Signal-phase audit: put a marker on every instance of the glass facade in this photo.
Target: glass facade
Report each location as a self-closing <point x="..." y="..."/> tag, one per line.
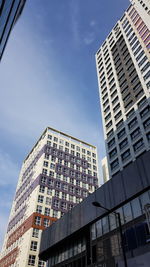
<point x="101" y="242"/>
<point x="9" y="11"/>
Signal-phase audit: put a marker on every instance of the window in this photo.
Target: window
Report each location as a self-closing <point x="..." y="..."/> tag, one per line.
<point x="71" y="181"/>
<point x="33" y="245"/>
<point x="38" y="220"/>
<point x="46" y="222"/>
<point x="66" y="144"/>
<point x="117" y="116"/>
<point x="48" y="201"/>
<point x="49" y="137"/>
<point x="46" y="156"/>
<point x="31" y="260"/>
<point x="138" y="145"/>
<point x="49" y="191"/>
<point x="135" y="133"/>
<point x="121" y="133"/>
<point x="44" y="171"/>
<point x="72" y="146"/>
<point x="71" y="198"/>
<point x="51" y="174"/>
<point x="52" y="166"/>
<point x="125" y="155"/>
<point x="123" y="143"/>
<point x="64" y="196"/>
<point x="64" y="205"/>
<point x="78" y="154"/>
<point x="71" y="189"/>
<point x="55" y="139"/>
<point x="55" y="145"/>
<point x="47" y="211"/>
<point x="136" y="208"/>
<point x="145" y="112"/>
<point x="42" y="189"/>
<point x="119" y="124"/>
<point x="78" y="191"/>
<point x="65" y="187"/>
<point x="130" y="113"/>
<point x="70" y="206"/>
<point x="41" y="263"/>
<point x="66" y="149"/>
<point x="56" y="193"/>
<point x="40" y="199"/>
<point x="127" y="212"/>
<point x="39" y="209"/>
<point x="113" y="153"/>
<point x="146" y="123"/>
<point x="132" y="123"/>
<point x="35" y="233"/>
<point x="56" y="203"/>
<point x="45" y="163"/>
<point x="61" y="147"/>
<point x="147" y="75"/>
<point x="114" y="164"/>
<point x="55" y="213"/>
<point x="111" y="143"/>
<point x="50" y="182"/>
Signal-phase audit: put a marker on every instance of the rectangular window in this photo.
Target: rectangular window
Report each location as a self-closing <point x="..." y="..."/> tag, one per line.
<point x="47" y="211"/>
<point x="39" y="209"/>
<point x="31" y="260"/>
<point x="37" y="220"/>
<point x="40" y="199"/>
<point x="48" y="201"/>
<point x="42" y="189"/>
<point x="33" y="245"/>
<point x="46" y="222"/>
<point x="35" y="233"/>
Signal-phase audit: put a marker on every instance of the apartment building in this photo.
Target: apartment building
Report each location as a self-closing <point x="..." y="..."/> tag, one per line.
<point x="123" y="70"/>
<point x="59" y="172"/>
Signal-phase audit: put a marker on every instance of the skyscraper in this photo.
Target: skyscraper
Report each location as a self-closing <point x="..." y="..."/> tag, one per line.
<point x="123" y="69"/>
<point x="105" y="171"/>
<point x="10" y="11"/>
<point x="59" y="172"/>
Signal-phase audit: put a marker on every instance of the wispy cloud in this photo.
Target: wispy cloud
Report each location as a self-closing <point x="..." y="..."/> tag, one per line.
<point x="74" y="11"/>
<point x="89" y="38"/>
<point x="92" y="23"/>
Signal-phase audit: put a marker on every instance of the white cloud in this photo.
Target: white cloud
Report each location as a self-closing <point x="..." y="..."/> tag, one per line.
<point x="90" y="37"/>
<point x="74" y="11"/>
<point x="92" y="23"/>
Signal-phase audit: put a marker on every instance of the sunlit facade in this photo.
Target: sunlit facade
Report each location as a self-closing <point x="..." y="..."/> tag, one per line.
<point x="123" y="69"/>
<point x="59" y="172"/>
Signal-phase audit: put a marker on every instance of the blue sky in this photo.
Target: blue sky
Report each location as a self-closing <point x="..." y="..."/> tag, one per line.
<point x="48" y="78"/>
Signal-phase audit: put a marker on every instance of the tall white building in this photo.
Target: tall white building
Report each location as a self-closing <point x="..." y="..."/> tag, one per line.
<point x="59" y="172"/>
<point x="105" y="170"/>
<point x="123" y="69"/>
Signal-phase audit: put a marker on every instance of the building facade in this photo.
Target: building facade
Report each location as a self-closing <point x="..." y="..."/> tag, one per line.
<point x="10" y="10"/>
<point x="90" y="236"/>
<point x="105" y="170"/>
<point x="59" y="172"/>
<point x="123" y="70"/>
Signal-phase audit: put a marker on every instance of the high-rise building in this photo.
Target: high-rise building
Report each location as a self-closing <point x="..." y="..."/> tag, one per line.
<point x="123" y="69"/>
<point x="105" y="170"/>
<point x="59" y="172"/>
<point x="10" y="11"/>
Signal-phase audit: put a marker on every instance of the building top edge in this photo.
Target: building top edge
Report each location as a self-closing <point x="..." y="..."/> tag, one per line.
<point x="53" y="130"/>
<point x="103" y="43"/>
